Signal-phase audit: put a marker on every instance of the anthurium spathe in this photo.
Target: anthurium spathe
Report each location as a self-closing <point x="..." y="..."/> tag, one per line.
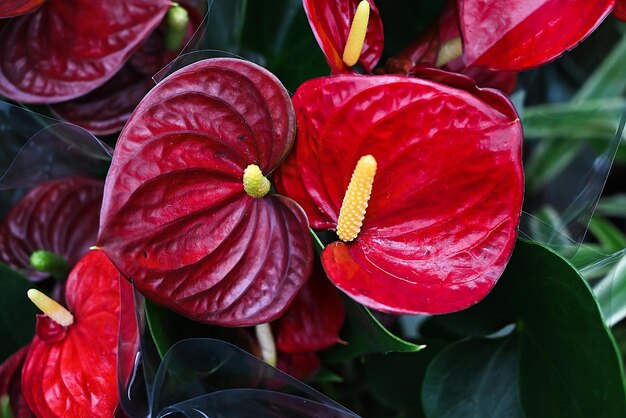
<point x="11" y="384"/>
<point x="71" y="369"/>
<point x="11" y="8"/>
<point x="67" y="48"/>
<point x="59" y="216"/>
<point x="521" y="34"/>
<point x="332" y="22"/>
<point x="443" y="166"/>
<point x="187" y="215"/>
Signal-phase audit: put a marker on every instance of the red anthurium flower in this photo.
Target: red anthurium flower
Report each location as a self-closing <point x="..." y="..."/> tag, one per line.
<point x="71" y="366"/>
<point x="60" y="216"/>
<point x="332" y="20"/>
<point x="422" y="182"/>
<point x="440" y="46"/>
<point x="106" y="109"/>
<point x="186" y="213"/>
<point x="11" y="8"/>
<point x="11" y="383"/>
<point x="311" y="324"/>
<point x="521" y="34"/>
<point x="67" y="48"/>
<point x="620" y="10"/>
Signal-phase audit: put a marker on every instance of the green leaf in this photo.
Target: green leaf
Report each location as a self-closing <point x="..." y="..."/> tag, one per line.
<point x="395" y="379"/>
<point x="609" y="236"/>
<point x="612" y="205"/>
<point x="548" y="159"/>
<point x="17" y="320"/>
<point x="279" y="31"/>
<point x="167" y="328"/>
<point x="364" y="334"/>
<point x="611" y="293"/>
<point x="474" y="379"/>
<point x="569" y="363"/>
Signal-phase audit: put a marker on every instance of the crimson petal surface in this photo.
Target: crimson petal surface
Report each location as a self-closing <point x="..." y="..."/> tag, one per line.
<point x="520" y="34"/>
<point x="60" y="216"/>
<point x="68" y="48"/>
<point x="441" y="221"/>
<point x="77" y="376"/>
<point x="176" y="219"/>
<point x="330" y="21"/>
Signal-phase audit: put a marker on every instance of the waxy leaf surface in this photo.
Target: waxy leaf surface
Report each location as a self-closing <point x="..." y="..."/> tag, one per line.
<point x="77" y="375"/>
<point x="68" y="48"/>
<point x="11" y="8"/>
<point x="331" y="20"/>
<point x="60" y="216"/>
<point x="176" y="219"/>
<point x="447" y="195"/>
<point x="521" y="34"/>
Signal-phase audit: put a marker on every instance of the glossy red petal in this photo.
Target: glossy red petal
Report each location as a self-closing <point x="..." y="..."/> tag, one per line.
<point x="521" y="34"/>
<point x="441" y="221"/>
<point x="175" y="217"/>
<point x="12" y="8"/>
<point x="314" y="318"/>
<point x="60" y="216"/>
<point x="77" y="376"/>
<point x="68" y="48"/>
<point x="330" y="21"/>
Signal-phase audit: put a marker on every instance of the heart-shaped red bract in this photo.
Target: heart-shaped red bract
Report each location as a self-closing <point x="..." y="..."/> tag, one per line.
<point x="11" y="8"/>
<point x="620" y="10"/>
<point x="176" y="219"/>
<point x="330" y="21"/>
<point x="447" y="195"/>
<point x="76" y="376"/>
<point x="69" y="47"/>
<point x="60" y="216"/>
<point x="521" y="34"/>
<point x="11" y="383"/>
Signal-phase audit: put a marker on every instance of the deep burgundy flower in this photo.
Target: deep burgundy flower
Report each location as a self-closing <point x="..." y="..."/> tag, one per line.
<point x="67" y="48"/>
<point x="71" y="369"/>
<point x="60" y="216"/>
<point x="443" y="166"/>
<point x="11" y="383"/>
<point x="186" y="213"/>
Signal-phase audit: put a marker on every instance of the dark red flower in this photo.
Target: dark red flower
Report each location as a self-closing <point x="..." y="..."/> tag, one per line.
<point x="521" y="34"/>
<point x="446" y="196"/>
<point x="331" y="21"/>
<point x="620" y="10"/>
<point x="311" y="324"/>
<point x="67" y="48"/>
<point x="179" y="216"/>
<point x="11" y="383"/>
<point x="106" y="109"/>
<point x="60" y="216"/>
<point x="72" y="370"/>
<point x="11" y="8"/>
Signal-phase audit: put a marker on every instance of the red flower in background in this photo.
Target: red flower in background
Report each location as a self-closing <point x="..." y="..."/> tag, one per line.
<point x="71" y="369"/>
<point x="446" y="195"/>
<point x="67" y="48"/>
<point x="522" y="34"/>
<point x="60" y="216"/>
<point x="11" y="383"/>
<point x="185" y="213"/>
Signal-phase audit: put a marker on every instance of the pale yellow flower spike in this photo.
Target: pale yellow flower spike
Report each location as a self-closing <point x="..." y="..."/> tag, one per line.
<point x="356" y="37"/>
<point x="355" y="201"/>
<point x="254" y="183"/>
<point x="267" y="343"/>
<point x="51" y="308"/>
<point x="449" y="51"/>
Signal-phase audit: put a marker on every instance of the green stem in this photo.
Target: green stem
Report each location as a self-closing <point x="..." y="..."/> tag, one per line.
<point x="177" y="21"/>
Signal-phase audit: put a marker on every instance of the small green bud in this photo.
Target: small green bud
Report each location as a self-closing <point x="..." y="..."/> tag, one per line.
<point x="49" y="262"/>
